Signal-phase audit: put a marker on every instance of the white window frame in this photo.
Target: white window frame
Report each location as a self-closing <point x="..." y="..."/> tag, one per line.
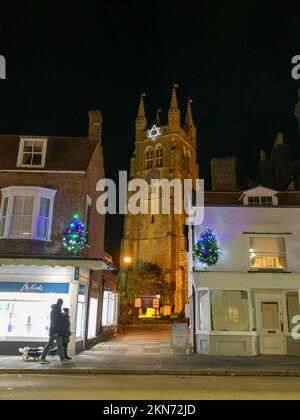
<point x="20" y="163"/>
<point x="285" y="254"/>
<point x="37" y="193"/>
<point x="259" y="199"/>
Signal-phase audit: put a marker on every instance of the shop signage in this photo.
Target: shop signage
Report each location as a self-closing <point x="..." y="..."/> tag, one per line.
<point x="19" y="287"/>
<point x="147" y="301"/>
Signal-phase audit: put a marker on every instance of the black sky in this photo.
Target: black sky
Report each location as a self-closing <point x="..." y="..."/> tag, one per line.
<point x="232" y="58"/>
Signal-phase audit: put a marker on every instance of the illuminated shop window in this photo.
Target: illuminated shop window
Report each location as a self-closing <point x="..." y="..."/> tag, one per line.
<point x="230" y="310"/>
<point x="110" y="308"/>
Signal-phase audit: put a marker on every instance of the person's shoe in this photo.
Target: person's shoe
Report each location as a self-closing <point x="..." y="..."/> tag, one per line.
<point x="44" y="362"/>
<point x="68" y="357"/>
<point x="65" y="361"/>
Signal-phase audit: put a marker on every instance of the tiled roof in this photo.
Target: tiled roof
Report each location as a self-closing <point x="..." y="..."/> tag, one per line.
<point x="64" y="153"/>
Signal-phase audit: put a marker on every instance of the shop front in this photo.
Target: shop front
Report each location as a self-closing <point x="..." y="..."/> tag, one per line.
<point x="251" y="316"/>
<point x="26" y="295"/>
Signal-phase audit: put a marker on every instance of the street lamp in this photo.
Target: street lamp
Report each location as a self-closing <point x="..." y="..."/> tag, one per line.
<point x="127" y="261"/>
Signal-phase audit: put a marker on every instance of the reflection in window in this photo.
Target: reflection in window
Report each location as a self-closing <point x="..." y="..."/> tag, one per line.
<point x="230" y="310"/>
<point x="267" y="253"/>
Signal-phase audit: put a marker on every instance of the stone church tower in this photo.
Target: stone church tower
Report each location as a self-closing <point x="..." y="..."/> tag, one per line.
<point x="161" y="238"/>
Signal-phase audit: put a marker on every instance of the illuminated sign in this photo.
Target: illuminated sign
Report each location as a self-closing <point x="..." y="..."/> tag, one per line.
<point x="154" y="133"/>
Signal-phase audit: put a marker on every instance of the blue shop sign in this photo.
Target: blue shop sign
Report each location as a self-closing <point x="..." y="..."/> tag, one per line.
<point x="19" y="287"/>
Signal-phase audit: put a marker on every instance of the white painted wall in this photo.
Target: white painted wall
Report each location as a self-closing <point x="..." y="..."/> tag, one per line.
<point x="229" y="223"/>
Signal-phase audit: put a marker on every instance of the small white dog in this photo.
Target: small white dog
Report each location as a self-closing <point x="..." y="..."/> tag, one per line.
<point x="34" y="352"/>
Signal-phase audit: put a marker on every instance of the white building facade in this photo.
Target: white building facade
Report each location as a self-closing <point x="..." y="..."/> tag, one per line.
<point x="245" y="305"/>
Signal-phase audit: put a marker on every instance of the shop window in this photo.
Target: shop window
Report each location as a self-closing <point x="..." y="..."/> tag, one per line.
<point x="293" y="308"/>
<point x="93" y="311"/>
<point x="26" y="212"/>
<point x="32" y="153"/>
<point x="267" y="253"/>
<point x="204" y="314"/>
<point x="26" y="315"/>
<point x="80" y="313"/>
<point x="110" y="308"/>
<point x="230" y="310"/>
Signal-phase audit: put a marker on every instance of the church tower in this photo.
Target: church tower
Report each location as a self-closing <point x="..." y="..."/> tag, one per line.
<point x="162" y="152"/>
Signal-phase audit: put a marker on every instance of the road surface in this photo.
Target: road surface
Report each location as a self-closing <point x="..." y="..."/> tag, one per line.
<point x="131" y="387"/>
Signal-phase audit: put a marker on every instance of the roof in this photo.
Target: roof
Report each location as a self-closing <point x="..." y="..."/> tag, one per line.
<point x="64" y="153"/>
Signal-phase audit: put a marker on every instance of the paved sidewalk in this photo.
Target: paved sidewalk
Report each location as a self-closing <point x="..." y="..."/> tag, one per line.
<point x="148" y="352"/>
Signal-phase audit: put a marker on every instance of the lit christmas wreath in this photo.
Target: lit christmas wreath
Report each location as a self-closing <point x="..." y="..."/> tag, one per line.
<point x="206" y="250"/>
<point x="75" y="235"/>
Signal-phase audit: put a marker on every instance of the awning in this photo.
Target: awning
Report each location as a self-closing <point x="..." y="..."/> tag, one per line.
<point x="95" y="264"/>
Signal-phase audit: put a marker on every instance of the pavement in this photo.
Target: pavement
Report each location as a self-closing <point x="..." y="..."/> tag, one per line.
<point x="148" y="352"/>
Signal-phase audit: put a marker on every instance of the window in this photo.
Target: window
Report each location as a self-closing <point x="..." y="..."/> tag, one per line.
<point x="204" y="310"/>
<point x="43" y="221"/>
<point x="32" y="153"/>
<point x="159" y="156"/>
<point x="267" y="253"/>
<point x="230" y="310"/>
<point x="149" y="158"/>
<point x="80" y="312"/>
<point x="21" y="218"/>
<point x="110" y="308"/>
<point x="26" y="212"/>
<point x="260" y="201"/>
<point x="293" y="307"/>
<point x="93" y="311"/>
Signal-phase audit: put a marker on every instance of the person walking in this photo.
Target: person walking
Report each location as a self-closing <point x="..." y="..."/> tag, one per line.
<point x="66" y="325"/>
<point x="54" y="333"/>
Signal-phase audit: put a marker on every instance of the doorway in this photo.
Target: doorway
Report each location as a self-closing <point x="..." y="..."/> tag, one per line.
<point x="272" y="339"/>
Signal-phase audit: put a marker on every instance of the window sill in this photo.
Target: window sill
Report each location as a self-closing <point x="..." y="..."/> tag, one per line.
<point x="25" y="238"/>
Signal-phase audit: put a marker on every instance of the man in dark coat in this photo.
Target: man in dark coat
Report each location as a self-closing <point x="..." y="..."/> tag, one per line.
<point x="54" y="333"/>
<point x="66" y="325"/>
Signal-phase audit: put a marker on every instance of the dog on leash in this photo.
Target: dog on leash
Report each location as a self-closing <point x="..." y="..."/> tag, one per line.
<point x="33" y="352"/>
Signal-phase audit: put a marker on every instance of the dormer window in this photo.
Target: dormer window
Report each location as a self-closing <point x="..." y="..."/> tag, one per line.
<point x="259" y="196"/>
<point x="260" y="201"/>
<point x="32" y="153"/>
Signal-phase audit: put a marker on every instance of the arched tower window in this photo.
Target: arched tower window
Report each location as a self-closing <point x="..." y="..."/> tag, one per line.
<point x="149" y="157"/>
<point x="159" y="156"/>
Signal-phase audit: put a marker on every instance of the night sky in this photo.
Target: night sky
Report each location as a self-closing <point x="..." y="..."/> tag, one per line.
<point x="232" y="58"/>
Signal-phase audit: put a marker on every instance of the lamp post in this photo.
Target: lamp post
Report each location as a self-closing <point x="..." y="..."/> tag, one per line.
<point x="127" y="260"/>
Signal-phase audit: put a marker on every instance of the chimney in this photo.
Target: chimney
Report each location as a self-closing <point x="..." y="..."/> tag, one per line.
<point x="223" y="174"/>
<point x="95" y="125"/>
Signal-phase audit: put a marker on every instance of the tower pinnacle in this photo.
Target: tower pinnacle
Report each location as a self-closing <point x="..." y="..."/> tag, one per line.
<point x="174" y="113"/>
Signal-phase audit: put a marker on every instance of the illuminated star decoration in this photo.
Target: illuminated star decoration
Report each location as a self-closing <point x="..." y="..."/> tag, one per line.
<point x="154" y="133"/>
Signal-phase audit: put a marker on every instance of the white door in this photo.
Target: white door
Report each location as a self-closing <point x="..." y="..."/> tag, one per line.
<point x="272" y="330"/>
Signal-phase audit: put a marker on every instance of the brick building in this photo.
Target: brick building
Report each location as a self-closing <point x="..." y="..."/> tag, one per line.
<point x="44" y="181"/>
